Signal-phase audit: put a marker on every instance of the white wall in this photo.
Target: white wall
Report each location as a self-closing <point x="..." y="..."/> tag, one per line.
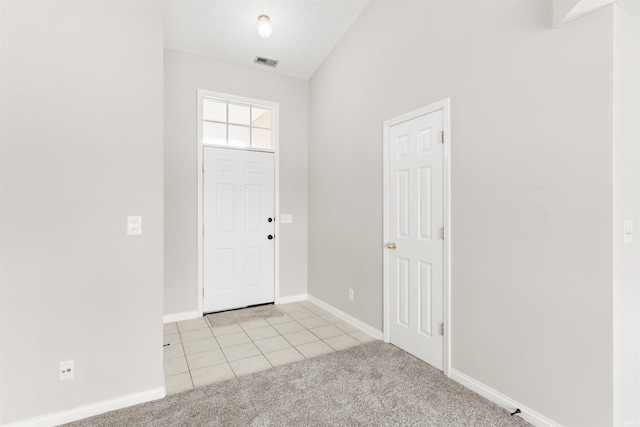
<point x="184" y="75"/>
<point x="626" y="185"/>
<point x="81" y="91"/>
<point x="531" y="186"/>
<point x="1" y="327"/>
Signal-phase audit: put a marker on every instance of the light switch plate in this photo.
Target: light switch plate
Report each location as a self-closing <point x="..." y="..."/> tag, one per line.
<point x="286" y="218"/>
<point x="627" y="231"/>
<point x="134" y="225"/>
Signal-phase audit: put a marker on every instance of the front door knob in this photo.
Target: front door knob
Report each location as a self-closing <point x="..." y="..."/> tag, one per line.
<point x="391" y="245"/>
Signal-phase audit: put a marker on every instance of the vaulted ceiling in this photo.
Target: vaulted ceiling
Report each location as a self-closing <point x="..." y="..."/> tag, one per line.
<point x="304" y="31"/>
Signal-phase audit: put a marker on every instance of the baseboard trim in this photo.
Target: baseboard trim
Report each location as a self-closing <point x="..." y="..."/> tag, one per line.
<point x="291" y="298"/>
<point x="179" y="317"/>
<point x="97" y="408"/>
<point x="500" y="399"/>
<point x="377" y="334"/>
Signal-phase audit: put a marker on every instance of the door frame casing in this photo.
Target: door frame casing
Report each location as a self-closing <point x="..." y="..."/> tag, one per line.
<point x="444" y="106"/>
<point x="202" y="93"/>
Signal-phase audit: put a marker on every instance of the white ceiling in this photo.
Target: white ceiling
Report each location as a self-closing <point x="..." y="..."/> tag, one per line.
<point x="304" y="31"/>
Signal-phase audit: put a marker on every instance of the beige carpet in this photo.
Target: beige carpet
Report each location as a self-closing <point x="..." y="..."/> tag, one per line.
<point x="373" y="384"/>
<point x="248" y="314"/>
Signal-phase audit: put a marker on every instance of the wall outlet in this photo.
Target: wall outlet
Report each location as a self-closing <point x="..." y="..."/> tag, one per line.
<point x="350" y="294"/>
<point x="134" y="225"/>
<point x="66" y="370"/>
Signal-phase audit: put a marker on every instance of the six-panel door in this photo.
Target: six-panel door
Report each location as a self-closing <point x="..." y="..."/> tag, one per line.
<point x="416" y="220"/>
<point x="239" y="226"/>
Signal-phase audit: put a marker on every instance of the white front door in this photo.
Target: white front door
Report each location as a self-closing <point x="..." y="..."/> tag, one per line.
<point x="239" y="225"/>
<point x="415" y="226"/>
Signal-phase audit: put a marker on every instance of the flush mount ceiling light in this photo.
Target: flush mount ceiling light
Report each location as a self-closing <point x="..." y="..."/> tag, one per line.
<point x="264" y="26"/>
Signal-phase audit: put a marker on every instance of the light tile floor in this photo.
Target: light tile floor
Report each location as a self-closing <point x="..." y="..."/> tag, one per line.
<point x="198" y="354"/>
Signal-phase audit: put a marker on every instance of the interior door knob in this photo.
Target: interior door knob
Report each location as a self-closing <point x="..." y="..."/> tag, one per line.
<point x="270" y="237"/>
<point x="270" y="219"/>
<point x="391" y="245"/>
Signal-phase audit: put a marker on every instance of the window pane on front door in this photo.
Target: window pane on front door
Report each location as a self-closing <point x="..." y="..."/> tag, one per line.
<point x="260" y="118"/>
<point x="239" y="136"/>
<point x="214" y="111"/>
<point x="236" y="124"/>
<point x="239" y="114"/>
<point x="214" y="133"/>
<point x="261" y="138"/>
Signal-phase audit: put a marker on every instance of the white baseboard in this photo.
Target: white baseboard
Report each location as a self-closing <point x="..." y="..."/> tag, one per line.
<point x="500" y="399"/>
<point x="377" y="334"/>
<point x="97" y="408"/>
<point x="291" y="298"/>
<point x="179" y="317"/>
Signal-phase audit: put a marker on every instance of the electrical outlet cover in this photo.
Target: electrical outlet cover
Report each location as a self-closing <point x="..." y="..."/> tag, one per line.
<point x="66" y="370"/>
<point x="134" y="225"/>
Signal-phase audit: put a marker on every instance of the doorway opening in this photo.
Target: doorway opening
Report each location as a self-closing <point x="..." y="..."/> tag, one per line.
<point x="238" y="182"/>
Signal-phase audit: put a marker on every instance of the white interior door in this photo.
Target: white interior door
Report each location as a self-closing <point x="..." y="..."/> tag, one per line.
<point x="239" y="225"/>
<point x="416" y="246"/>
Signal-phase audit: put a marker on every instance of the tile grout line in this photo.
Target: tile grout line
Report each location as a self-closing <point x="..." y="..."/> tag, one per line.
<point x="262" y="353"/>
<point x="220" y="347"/>
<point x="185" y="357"/>
<point x="279" y="335"/>
<point x="252" y="342"/>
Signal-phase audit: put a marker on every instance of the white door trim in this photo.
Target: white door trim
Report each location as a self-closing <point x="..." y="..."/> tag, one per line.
<point x="276" y="126"/>
<point x="445" y="106"/>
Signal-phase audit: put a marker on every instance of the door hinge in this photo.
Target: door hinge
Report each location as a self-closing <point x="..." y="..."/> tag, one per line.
<point x="442" y="329"/>
<point x="442" y="233"/>
<point x="442" y="136"/>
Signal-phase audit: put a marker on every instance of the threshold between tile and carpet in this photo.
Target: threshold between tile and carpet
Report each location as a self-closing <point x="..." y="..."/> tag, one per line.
<point x="197" y="354"/>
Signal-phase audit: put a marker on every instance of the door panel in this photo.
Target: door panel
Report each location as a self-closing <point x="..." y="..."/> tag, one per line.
<point x="416" y="217"/>
<point x="403" y="292"/>
<point x="238" y="202"/>
<point x="425" y="298"/>
<point x="425" y="203"/>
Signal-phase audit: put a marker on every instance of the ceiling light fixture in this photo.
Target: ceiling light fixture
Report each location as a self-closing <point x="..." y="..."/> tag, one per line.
<point x="264" y="26"/>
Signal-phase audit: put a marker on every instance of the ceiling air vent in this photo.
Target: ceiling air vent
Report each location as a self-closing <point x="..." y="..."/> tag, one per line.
<point x="266" y="61"/>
